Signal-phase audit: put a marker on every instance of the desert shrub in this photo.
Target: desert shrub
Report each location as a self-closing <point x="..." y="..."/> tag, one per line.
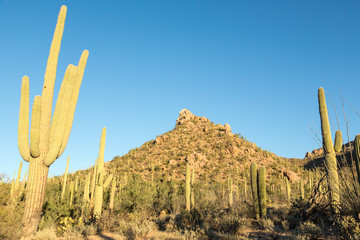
<point x="308" y="230"/>
<point x="48" y="233"/>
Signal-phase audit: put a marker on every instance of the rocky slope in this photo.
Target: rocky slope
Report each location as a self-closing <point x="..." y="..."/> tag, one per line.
<point x="212" y="149"/>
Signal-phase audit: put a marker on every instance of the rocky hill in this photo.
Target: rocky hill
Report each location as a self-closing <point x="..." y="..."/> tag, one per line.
<point x="212" y="149"/>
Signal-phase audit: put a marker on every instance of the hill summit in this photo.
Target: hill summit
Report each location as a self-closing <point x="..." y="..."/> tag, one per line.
<point x="211" y="149"/>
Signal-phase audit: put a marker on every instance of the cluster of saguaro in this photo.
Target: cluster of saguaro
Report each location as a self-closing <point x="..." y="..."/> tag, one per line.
<point x="48" y="136"/>
<point x="258" y="188"/>
<point x="330" y="157"/>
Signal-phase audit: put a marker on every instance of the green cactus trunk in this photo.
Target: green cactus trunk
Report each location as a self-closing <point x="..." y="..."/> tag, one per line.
<point x="93" y="181"/>
<point x="99" y="189"/>
<point x="245" y="187"/>
<point x="48" y="136"/>
<point x="338" y="141"/>
<point x="187" y="187"/>
<point x="65" y="179"/>
<point x="262" y="191"/>
<point x="254" y="188"/>
<point x="330" y="157"/>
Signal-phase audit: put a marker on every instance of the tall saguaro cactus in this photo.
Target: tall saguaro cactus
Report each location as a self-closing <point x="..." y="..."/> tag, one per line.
<point x="100" y="172"/>
<point x="254" y="188"/>
<point x="330" y="157"/>
<point x="357" y="155"/>
<point x="262" y="191"/>
<point x="65" y="179"/>
<point x="187" y="187"/>
<point x="48" y="137"/>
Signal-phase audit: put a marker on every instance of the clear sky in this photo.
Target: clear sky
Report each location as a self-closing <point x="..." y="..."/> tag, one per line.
<point x="256" y="65"/>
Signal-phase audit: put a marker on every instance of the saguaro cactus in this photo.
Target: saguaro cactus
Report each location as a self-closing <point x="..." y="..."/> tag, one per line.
<point x="112" y="194"/>
<point x="230" y="188"/>
<point x="48" y="138"/>
<point x="86" y="189"/>
<point x="301" y="189"/>
<point x="262" y="191"/>
<point x="187" y="187"/>
<point x="65" y="179"/>
<point x="254" y="188"/>
<point x="338" y="141"/>
<point x="288" y="188"/>
<point x="357" y="155"/>
<point x="100" y="172"/>
<point x="330" y="157"/>
<point x="192" y="194"/>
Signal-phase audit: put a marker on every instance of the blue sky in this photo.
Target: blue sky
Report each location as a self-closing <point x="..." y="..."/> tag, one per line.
<point x="256" y="65"/>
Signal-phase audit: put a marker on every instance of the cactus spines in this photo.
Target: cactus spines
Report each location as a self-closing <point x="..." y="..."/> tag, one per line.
<point x="357" y="155"/>
<point x="262" y="191"/>
<point x="254" y="188"/>
<point x="330" y="157"/>
<point x="338" y="141"/>
<point x="187" y="187"/>
<point x="44" y="147"/>
<point x="99" y="188"/>
<point x="65" y="179"/>
<point x="112" y="194"/>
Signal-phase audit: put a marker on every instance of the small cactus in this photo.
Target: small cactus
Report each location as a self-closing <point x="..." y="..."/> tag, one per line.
<point x="112" y="194"/>
<point x="65" y="179"/>
<point x="301" y="189"/>
<point x="338" y="141"/>
<point x="230" y="190"/>
<point x="357" y="155"/>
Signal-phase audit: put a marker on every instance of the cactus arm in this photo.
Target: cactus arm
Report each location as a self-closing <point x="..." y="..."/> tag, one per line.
<point x="23" y="127"/>
<point x="59" y="102"/>
<point x="49" y="82"/>
<point x="59" y="126"/>
<point x="107" y="181"/>
<point x="35" y="128"/>
<point x="74" y="98"/>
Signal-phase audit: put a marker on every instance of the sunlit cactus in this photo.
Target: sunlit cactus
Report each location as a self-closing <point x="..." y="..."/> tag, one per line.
<point x="48" y="135"/>
<point x="262" y="191"/>
<point x="254" y="188"/>
<point x="192" y="194"/>
<point x="230" y="190"/>
<point x="338" y="141"/>
<point x="112" y="194"/>
<point x="301" y="189"/>
<point x="86" y="189"/>
<point x="357" y="155"/>
<point x="330" y="157"/>
<point x="187" y="187"/>
<point x="65" y="179"/>
<point x="100" y="172"/>
<point x="288" y="188"/>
